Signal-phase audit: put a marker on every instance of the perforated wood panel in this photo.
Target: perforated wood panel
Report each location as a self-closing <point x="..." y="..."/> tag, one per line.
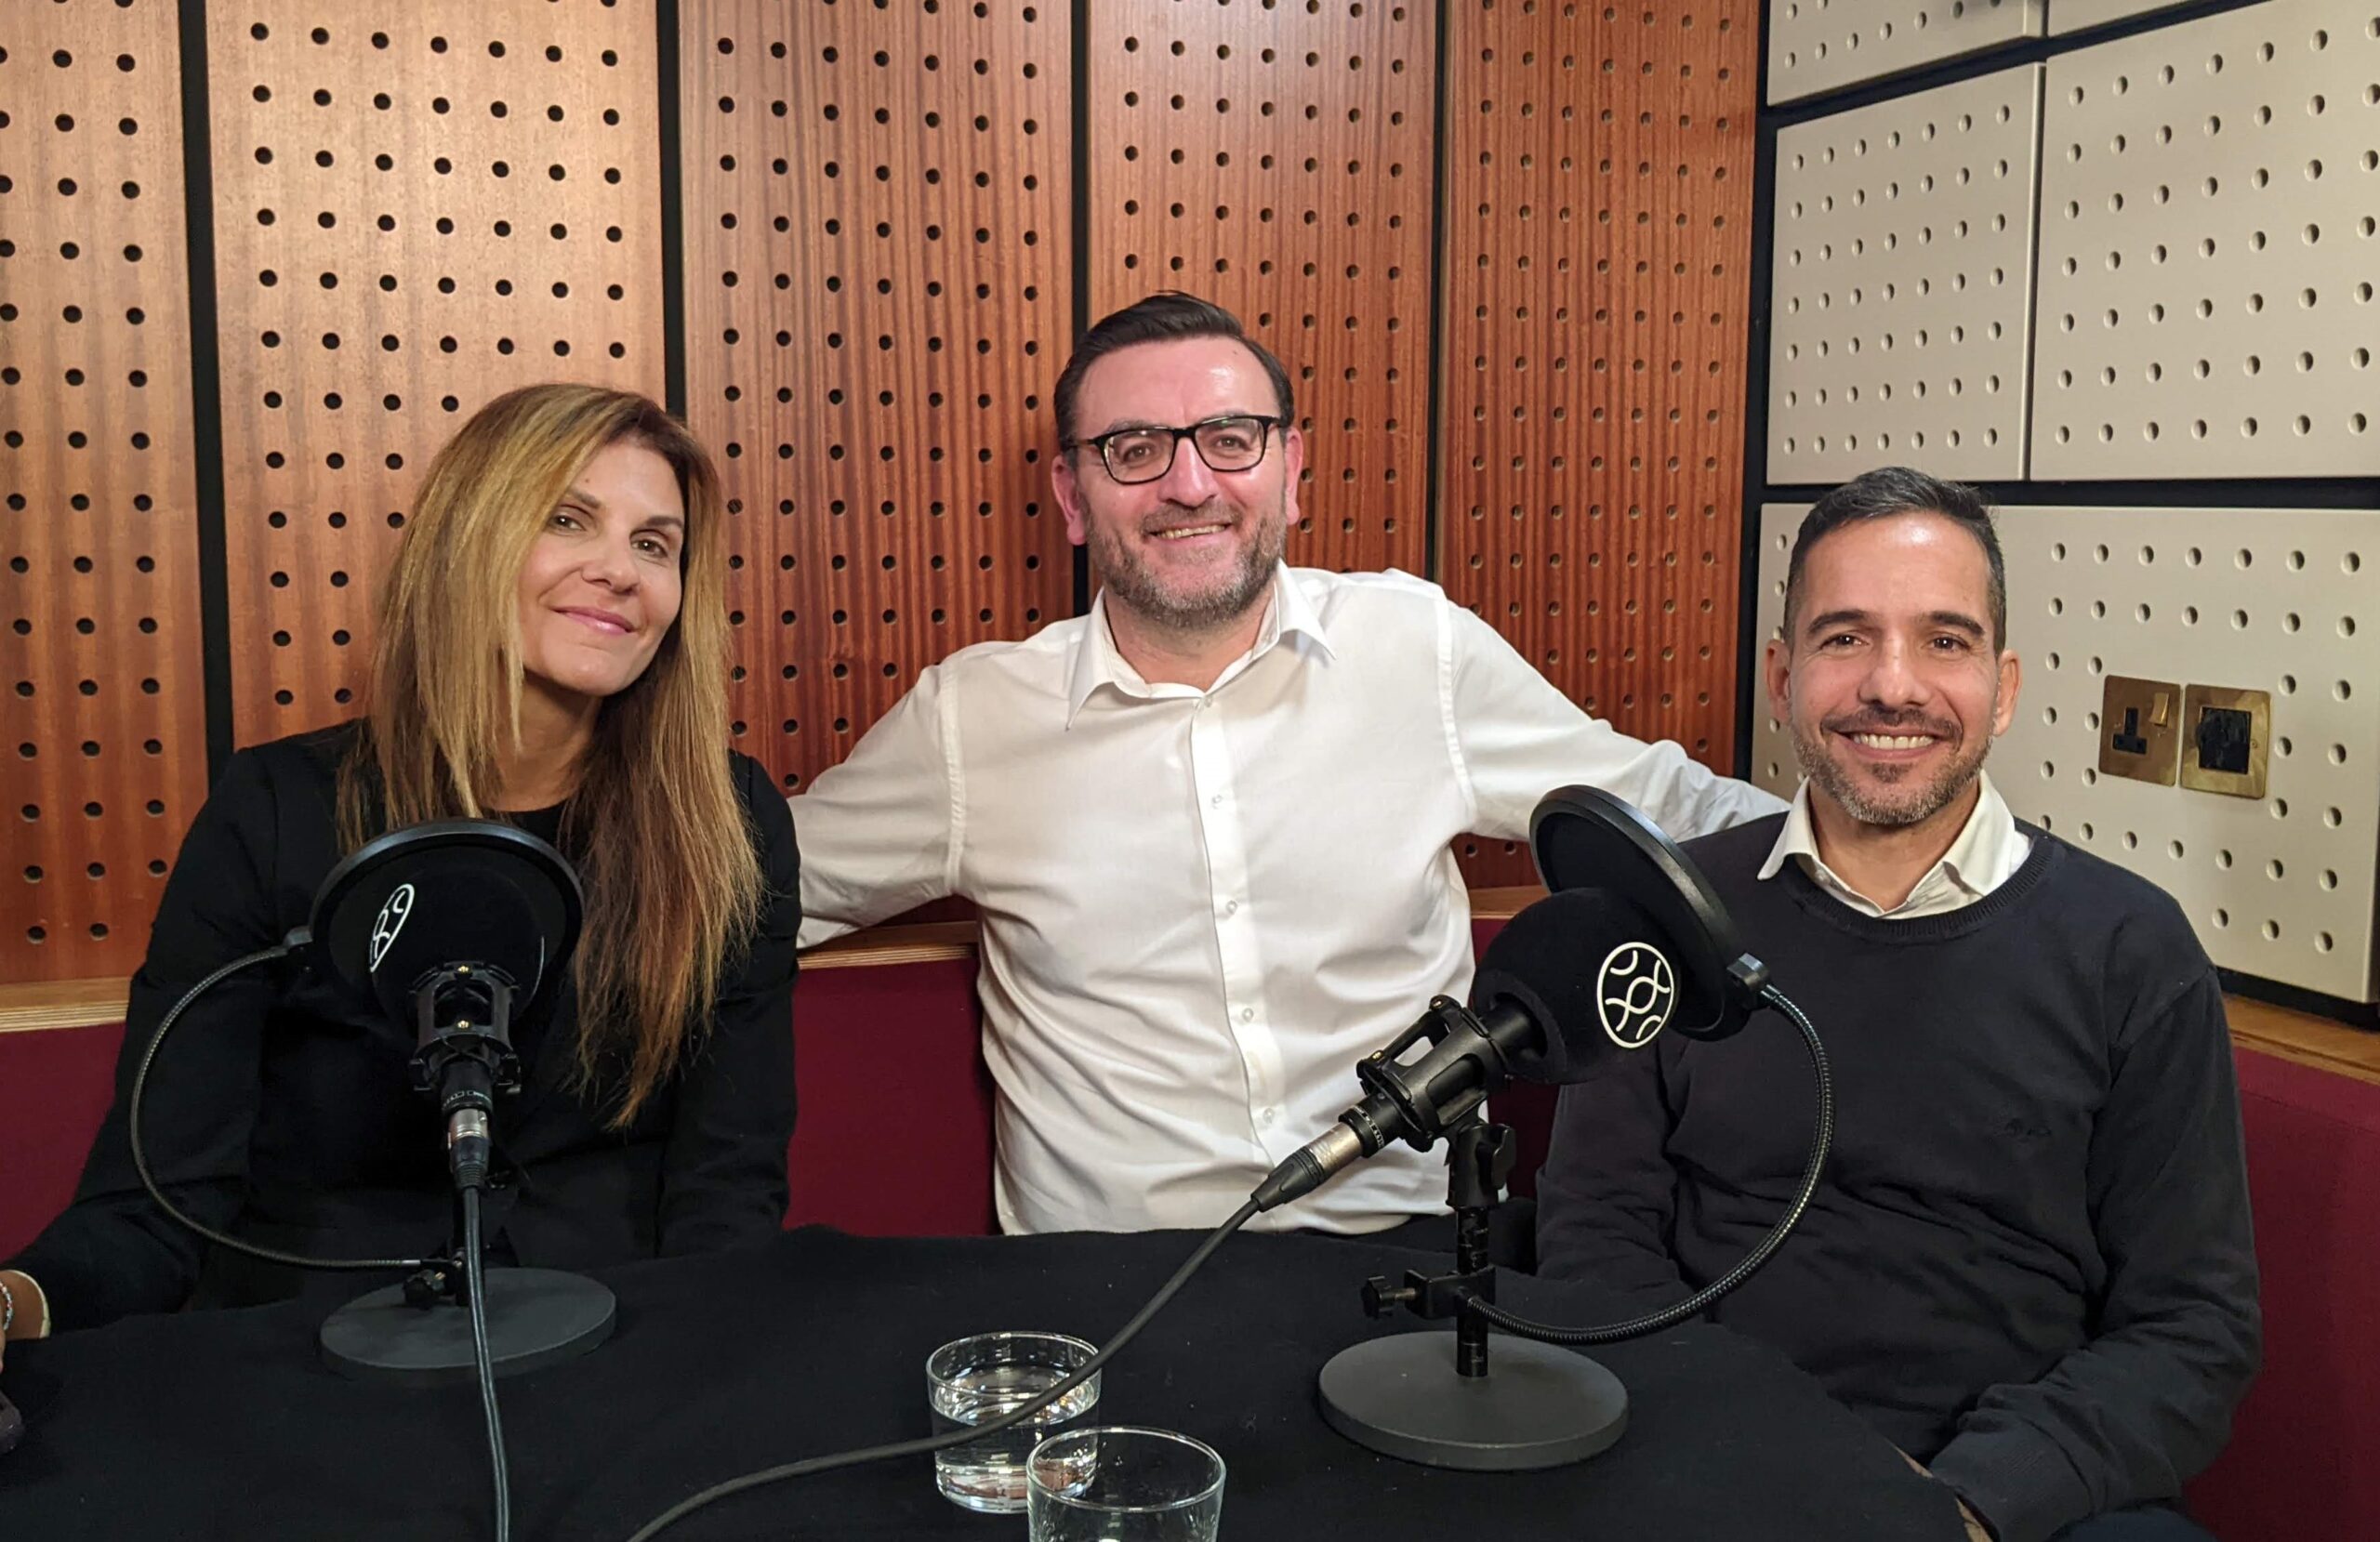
<point x="2266" y="598"/>
<point x="414" y="211"/>
<point x="878" y="288"/>
<point x="1280" y="166"/>
<point x="1598" y="198"/>
<point x="2074" y="16"/>
<point x="1818" y="46"/>
<point x="2209" y="211"/>
<point x="104" y="757"/>
<point x="1902" y="284"/>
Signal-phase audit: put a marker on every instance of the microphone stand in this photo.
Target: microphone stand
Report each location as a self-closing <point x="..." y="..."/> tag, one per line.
<point x="512" y="1319"/>
<point x="1404" y="1396"/>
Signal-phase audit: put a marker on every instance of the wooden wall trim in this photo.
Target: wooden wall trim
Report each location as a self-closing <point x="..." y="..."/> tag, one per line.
<point x="61" y="1003"/>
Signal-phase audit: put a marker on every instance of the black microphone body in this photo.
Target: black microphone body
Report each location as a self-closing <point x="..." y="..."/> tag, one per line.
<point x="1571" y="982"/>
<point x="463" y="1055"/>
<point x="1471" y="1054"/>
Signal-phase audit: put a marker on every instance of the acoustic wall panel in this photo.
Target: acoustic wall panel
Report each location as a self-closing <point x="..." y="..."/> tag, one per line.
<point x="1773" y="765"/>
<point x="2272" y="600"/>
<point x="1901" y="284"/>
<point x="1596" y="241"/>
<point x="414" y="211"/>
<point x="1818" y="46"/>
<point x="103" y="726"/>
<point x="878" y="288"/>
<point x="1283" y="170"/>
<point x="2210" y="241"/>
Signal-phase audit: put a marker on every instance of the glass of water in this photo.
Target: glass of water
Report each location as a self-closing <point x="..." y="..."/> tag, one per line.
<point x="974" y="1380"/>
<point x="1124" y="1485"/>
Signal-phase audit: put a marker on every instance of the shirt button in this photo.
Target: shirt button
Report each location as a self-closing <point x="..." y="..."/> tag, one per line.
<point x="1216" y="801"/>
<point x="1231" y="907"/>
<point x="1248" y="1014"/>
<point x="1267" y="1116"/>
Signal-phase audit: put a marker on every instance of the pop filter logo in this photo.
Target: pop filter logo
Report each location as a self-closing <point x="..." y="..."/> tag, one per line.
<point x="391" y="922"/>
<point x="1634" y="994"/>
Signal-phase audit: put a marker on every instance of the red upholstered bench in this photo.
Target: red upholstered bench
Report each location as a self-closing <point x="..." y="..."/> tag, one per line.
<point x="2299" y="1466"/>
<point x="895" y="1138"/>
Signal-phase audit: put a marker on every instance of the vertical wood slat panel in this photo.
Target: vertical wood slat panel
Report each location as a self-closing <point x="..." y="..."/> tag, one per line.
<point x="877" y="287"/>
<point x="417" y="208"/>
<point x="101" y="711"/>
<point x="1279" y="164"/>
<point x="1599" y="173"/>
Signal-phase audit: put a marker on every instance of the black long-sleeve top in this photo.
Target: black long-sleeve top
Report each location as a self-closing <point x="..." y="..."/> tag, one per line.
<point x="2029" y="1263"/>
<point x="280" y="1110"/>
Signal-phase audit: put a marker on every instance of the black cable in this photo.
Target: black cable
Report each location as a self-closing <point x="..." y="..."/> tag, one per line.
<point x="475" y="1286"/>
<point x="140" y="1154"/>
<point x="809" y="1466"/>
<point x="1821" y="1138"/>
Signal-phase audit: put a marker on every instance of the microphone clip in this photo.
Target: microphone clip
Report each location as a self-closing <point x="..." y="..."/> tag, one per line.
<point x="1439" y="1090"/>
<point x="463" y="1053"/>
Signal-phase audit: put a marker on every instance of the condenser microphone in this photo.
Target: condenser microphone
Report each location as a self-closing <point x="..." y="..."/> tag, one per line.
<point x="1632" y="942"/>
<point x="454" y="929"/>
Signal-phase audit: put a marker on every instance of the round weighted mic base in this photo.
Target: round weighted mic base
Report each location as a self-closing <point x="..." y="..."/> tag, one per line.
<point x="1539" y="1405"/>
<point x="535" y="1317"/>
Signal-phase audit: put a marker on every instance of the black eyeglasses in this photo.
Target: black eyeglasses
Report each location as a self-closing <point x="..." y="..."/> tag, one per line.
<point x="1144" y="455"/>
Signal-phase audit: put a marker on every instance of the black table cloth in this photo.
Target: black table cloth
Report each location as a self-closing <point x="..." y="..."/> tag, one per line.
<point x="225" y="1425"/>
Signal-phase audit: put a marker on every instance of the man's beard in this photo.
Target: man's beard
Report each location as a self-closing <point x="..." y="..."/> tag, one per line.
<point x="1133" y="584"/>
<point x="1901" y="801"/>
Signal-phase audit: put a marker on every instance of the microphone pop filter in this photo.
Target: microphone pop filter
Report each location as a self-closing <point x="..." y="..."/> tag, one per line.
<point x="465" y="890"/>
<point x="1583" y="838"/>
<point x="1592" y="968"/>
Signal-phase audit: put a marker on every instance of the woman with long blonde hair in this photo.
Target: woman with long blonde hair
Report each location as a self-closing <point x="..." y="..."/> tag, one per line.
<point x="553" y="652"/>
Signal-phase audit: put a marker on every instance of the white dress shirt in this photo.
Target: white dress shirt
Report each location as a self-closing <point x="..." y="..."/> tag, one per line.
<point x="1986" y="853"/>
<point x="1201" y="908"/>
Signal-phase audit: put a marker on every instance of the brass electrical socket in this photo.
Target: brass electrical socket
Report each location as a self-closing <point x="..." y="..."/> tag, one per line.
<point x="2140" y="730"/>
<point x="2226" y="740"/>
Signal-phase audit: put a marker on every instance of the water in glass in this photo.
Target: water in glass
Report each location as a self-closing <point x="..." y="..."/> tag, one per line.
<point x="978" y="1380"/>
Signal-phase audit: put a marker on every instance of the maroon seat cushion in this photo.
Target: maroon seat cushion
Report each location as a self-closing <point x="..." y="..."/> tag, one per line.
<point x="54" y="1086"/>
<point x="2299" y="1465"/>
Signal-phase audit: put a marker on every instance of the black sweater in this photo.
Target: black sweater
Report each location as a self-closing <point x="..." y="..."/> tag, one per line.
<point x="280" y="1111"/>
<point x="2029" y="1263"/>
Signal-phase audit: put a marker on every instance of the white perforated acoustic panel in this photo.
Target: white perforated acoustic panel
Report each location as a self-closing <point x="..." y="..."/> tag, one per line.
<point x="1901" y="284"/>
<point x="1818" y="46"/>
<point x="2210" y="200"/>
<point x="1773" y="766"/>
<point x="2276" y="600"/>
<point x="2066" y="17"/>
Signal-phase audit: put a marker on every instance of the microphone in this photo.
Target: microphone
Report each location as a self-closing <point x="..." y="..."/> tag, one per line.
<point x="453" y="929"/>
<point x="1632" y="942"/>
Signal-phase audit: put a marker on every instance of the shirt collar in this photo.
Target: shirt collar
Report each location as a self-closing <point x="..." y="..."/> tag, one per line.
<point x="1289" y="613"/>
<point x="1977" y="862"/>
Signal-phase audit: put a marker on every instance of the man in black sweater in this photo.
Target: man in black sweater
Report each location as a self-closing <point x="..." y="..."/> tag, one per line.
<point x="2030" y="1264"/>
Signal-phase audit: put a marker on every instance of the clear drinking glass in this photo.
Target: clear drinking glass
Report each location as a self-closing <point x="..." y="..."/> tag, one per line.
<point x="1124" y="1485"/>
<point x="974" y="1380"/>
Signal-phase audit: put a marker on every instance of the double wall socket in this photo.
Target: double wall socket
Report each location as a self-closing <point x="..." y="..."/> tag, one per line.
<point x="2206" y="737"/>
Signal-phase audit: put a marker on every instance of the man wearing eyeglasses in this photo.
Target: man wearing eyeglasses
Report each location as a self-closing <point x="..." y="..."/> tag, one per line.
<point x="1208" y="825"/>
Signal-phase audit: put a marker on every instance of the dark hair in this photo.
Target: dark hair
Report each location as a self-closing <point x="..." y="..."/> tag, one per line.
<point x="1891" y="490"/>
<point x="1162" y="317"/>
